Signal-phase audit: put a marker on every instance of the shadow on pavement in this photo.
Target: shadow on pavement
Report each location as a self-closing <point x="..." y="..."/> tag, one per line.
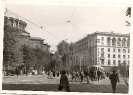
<point x="74" y="88"/>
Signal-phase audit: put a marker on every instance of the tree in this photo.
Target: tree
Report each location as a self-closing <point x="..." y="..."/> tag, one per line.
<point x="29" y="58"/>
<point x="34" y="58"/>
<point x="63" y="47"/>
<point x="10" y="39"/>
<point x="63" y="50"/>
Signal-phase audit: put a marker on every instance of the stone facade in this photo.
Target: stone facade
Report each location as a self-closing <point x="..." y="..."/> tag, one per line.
<point x="102" y="48"/>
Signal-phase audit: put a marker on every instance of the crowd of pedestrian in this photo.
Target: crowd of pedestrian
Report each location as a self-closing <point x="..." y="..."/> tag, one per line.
<point x="94" y="75"/>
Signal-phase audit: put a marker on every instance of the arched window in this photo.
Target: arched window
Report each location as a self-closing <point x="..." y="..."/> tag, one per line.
<point x="10" y="22"/>
<point x="114" y="42"/>
<point x="118" y="42"/>
<point x="123" y="42"/>
<point x="36" y="46"/>
<point x="20" y="25"/>
<point x="15" y="24"/>
<point x="108" y="41"/>
<point x="128" y="42"/>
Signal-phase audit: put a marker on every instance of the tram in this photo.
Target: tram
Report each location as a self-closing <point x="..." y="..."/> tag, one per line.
<point x="95" y="67"/>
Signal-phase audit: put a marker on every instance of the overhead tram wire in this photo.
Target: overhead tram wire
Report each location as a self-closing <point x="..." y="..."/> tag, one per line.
<point x="71" y="18"/>
<point x="33" y="23"/>
<point x="76" y="27"/>
<point x="73" y="13"/>
<point x="55" y="24"/>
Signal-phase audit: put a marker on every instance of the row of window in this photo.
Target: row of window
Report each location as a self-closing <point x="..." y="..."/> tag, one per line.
<point x="120" y="42"/>
<point x="102" y="62"/>
<point x="119" y="56"/>
<point x="119" y="50"/>
<point x="114" y="62"/>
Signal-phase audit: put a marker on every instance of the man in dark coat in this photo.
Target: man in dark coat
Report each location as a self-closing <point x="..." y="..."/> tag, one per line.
<point x="114" y="78"/>
<point x="98" y="75"/>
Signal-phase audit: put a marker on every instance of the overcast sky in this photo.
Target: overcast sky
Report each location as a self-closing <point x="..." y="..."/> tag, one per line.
<point x="84" y="20"/>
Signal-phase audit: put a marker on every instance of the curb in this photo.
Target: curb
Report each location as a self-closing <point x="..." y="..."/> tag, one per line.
<point x="127" y="82"/>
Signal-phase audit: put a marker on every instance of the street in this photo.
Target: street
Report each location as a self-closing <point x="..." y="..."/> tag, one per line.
<point x="38" y="83"/>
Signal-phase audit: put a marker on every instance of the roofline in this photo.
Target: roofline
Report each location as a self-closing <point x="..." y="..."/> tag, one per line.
<point x="104" y="33"/>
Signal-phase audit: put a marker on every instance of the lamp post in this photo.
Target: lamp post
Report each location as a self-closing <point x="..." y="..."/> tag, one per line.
<point x="80" y="57"/>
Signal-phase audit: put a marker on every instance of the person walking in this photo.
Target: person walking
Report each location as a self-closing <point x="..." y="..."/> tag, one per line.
<point x="57" y="73"/>
<point x="98" y="75"/>
<point x="73" y="75"/>
<point x="114" y="79"/>
<point x="43" y="73"/>
<point x="77" y="75"/>
<point x="64" y="82"/>
<point x="87" y="75"/>
<point x="81" y="75"/>
<point x="92" y="75"/>
<point x="53" y="73"/>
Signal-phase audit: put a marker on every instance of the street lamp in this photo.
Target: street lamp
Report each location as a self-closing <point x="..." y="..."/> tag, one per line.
<point x="80" y="57"/>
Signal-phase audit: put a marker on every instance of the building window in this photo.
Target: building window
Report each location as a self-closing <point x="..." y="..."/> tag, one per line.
<point x="108" y="41"/>
<point x="119" y="50"/>
<point x="128" y="43"/>
<point x="114" y="62"/>
<point x="108" y="49"/>
<point x="102" y="38"/>
<point x="123" y="42"/>
<point x="114" y="42"/>
<point x="124" y="51"/>
<point x="108" y="62"/>
<point x="102" y="49"/>
<point x="113" y="55"/>
<point x="113" y="50"/>
<point x="36" y="46"/>
<point x="108" y="55"/>
<point x="102" y="55"/>
<point x="102" y="43"/>
<point x="102" y="62"/>
<point x="119" y="56"/>
<point x="124" y="61"/>
<point x="128" y="51"/>
<point x="124" y="56"/>
<point x="128" y="56"/>
<point x="119" y="62"/>
<point x="118" y="42"/>
<point x="11" y="22"/>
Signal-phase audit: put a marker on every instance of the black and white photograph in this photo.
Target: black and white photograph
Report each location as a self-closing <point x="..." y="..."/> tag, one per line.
<point x="66" y="47"/>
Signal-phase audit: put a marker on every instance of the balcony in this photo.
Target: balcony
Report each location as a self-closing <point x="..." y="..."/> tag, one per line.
<point x="102" y="58"/>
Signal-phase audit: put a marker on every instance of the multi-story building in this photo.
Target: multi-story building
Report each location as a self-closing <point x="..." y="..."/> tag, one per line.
<point x="102" y="48"/>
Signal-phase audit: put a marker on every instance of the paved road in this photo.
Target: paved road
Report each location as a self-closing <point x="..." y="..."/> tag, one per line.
<point x="38" y="83"/>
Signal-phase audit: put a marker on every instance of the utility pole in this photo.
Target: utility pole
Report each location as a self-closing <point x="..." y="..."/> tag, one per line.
<point x="80" y="57"/>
